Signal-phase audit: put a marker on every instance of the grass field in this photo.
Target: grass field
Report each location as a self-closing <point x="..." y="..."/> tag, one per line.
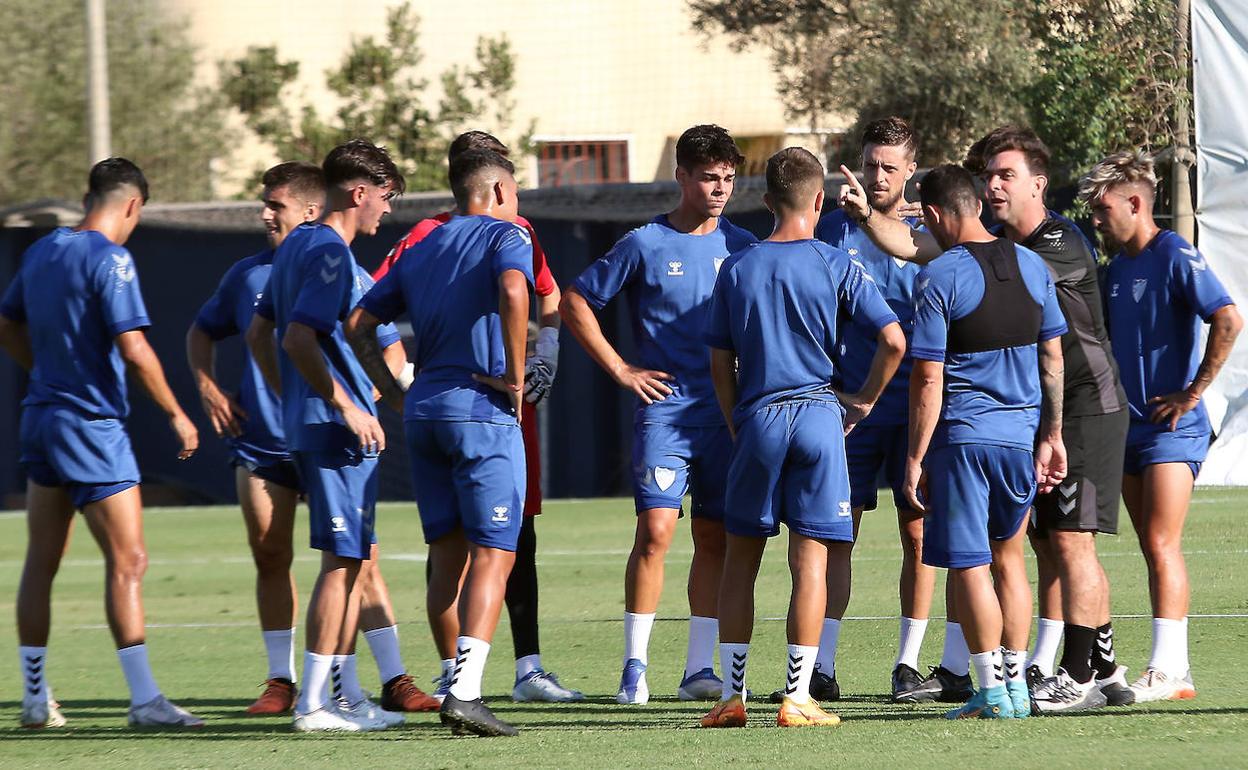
<point x="207" y="655"/>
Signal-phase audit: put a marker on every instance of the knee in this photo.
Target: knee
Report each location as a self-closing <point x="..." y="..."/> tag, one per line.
<point x="271" y="557"/>
<point x="653" y="541"/>
<point x="1160" y="547"/>
<point x="128" y="565"/>
<point x="709" y="543"/>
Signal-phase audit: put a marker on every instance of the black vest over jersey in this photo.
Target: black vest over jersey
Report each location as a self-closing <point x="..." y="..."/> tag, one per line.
<point x="1008" y="316"/>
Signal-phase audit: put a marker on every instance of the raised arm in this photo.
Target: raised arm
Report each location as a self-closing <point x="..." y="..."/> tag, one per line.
<point x="301" y="345"/>
<point x="893" y="236"/>
<point x="648" y="384"/>
<point x="143" y="365"/>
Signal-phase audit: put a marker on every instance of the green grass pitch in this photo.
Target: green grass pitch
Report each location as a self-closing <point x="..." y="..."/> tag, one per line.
<point x="206" y="651"/>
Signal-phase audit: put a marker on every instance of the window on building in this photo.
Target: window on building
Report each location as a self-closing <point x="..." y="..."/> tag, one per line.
<point x="592" y="162"/>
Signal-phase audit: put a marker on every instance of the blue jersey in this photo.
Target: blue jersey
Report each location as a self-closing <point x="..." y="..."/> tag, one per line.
<point x="1156" y="301"/>
<point x="228" y="313"/>
<point x="667" y="277"/>
<point x="895" y="279"/>
<point x="778" y="306"/>
<point x="316" y="282"/>
<point x="448" y="284"/>
<point x="991" y="396"/>
<point x="76" y="291"/>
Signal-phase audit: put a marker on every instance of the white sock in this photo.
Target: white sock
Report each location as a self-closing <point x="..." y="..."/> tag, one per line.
<point x="1048" y="639"/>
<point x="1013" y="661"/>
<point x="138" y="673"/>
<point x="280" y="647"/>
<point x="527" y="665"/>
<point x="316" y="670"/>
<point x="825" y="661"/>
<point x="988" y="668"/>
<point x="1183" y="657"/>
<point x="1169" y="647"/>
<point x="956" y="657"/>
<point x="345" y="679"/>
<point x="732" y="660"/>
<point x="384" y="644"/>
<point x="700" y="654"/>
<point x="34" y="662"/>
<point x="469" y="667"/>
<point x="912" y="631"/>
<point x="800" y="665"/>
<point x="637" y="626"/>
<point x="448" y="668"/>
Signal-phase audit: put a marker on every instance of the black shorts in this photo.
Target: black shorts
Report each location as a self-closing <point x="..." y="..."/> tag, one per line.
<point x="283" y="473"/>
<point x="1087" y="501"/>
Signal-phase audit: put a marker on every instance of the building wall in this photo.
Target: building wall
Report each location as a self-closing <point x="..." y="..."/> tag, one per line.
<point x="589" y="69"/>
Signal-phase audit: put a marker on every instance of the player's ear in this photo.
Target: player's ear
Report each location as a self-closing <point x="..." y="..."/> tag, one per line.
<point x="500" y="195"/>
<point x="133" y="206"/>
<point x="819" y="201"/>
<point x="931" y="215"/>
<point x="768" y="202"/>
<point x="910" y="169"/>
<point x="1042" y="183"/>
<point x="358" y="194"/>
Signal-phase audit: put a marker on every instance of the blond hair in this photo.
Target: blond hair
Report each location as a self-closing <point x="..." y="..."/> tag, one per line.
<point x="1132" y="167"/>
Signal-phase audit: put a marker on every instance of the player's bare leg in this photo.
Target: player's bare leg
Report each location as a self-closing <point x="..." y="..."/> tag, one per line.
<point x="643" y="584"/>
<point x="327" y="613"/>
<point x="699" y="681"/>
<point x="979" y="611"/>
<point x="914" y="591"/>
<point x="269" y="515"/>
<point x="823" y="684"/>
<point x="379" y="626"/>
<point x="116" y="523"/>
<point x="1009" y="577"/>
<point x="811" y="563"/>
<point x="1158" y="501"/>
<point x="444" y="577"/>
<point x="736" y="626"/>
<point x="1041" y="662"/>
<point x="49" y="523"/>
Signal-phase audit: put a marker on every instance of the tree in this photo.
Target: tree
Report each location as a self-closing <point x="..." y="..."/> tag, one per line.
<point x="382" y="97"/>
<point x="955" y="68"/>
<point x="159" y="118"/>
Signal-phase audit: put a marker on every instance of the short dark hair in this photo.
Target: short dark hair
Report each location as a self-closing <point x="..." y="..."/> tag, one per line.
<point x="112" y="174"/>
<point x="305" y="180"/>
<point x="1008" y="138"/>
<point x="476" y="140"/>
<point x="361" y="159"/>
<point x="467" y="168"/>
<point x="950" y="188"/>
<point x="891" y="132"/>
<point x="794" y="176"/>
<point x="706" y="144"/>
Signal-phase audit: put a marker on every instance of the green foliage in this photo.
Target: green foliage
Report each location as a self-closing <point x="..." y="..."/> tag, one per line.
<point x="381" y="96"/>
<point x="160" y="119"/>
<point x="1092" y="76"/>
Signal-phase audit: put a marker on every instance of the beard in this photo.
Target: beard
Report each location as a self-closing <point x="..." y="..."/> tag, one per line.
<point x="888" y="203"/>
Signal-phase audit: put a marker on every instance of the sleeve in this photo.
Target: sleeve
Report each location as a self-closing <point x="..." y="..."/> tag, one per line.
<point x="931" y="318"/>
<point x="862" y="301"/>
<point x="387" y="335"/>
<point x="13" y="306"/>
<point x="121" y="300"/>
<point x="1198" y="285"/>
<point x="543" y="280"/>
<point x="606" y="277"/>
<point x="326" y="289"/>
<point x="718" y="331"/>
<point x="1052" y="322"/>
<point x="216" y="317"/>
<point x="513" y="250"/>
<point x="385" y="300"/>
<point x="264" y="303"/>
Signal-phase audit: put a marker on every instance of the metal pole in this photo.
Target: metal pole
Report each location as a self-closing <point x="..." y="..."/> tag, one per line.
<point x="99" y="135"/>
<point x="1180" y="168"/>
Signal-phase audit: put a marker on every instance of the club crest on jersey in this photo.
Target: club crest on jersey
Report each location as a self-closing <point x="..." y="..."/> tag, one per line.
<point x="1137" y="288"/>
<point x="664" y="477"/>
<point x="500" y="514"/>
<point x="719" y="261"/>
<point x="123" y="267"/>
<point x="675" y="268"/>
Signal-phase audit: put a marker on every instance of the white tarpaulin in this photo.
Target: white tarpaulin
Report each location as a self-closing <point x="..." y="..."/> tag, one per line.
<point x="1220" y="60"/>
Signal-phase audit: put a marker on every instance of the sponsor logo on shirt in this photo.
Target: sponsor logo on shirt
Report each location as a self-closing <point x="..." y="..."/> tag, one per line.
<point x="675" y="268"/>
<point x="1138" y="286"/>
<point x="1054" y="236"/>
<point x="500" y="514"/>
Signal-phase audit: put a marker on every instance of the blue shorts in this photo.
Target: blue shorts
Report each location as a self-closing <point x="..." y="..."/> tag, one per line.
<point x="672" y="460"/>
<point x="974" y="492"/>
<point x="470" y="475"/>
<point x="91" y="458"/>
<point x="1150" y="444"/>
<point x="789" y="465"/>
<point x="341" y="487"/>
<point x="870" y="451"/>
<point x="280" y="472"/>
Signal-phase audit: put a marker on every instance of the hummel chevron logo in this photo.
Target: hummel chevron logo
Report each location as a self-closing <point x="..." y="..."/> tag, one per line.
<point x="333" y="262"/>
<point x="1067" y="497"/>
<point x="795" y="660"/>
<point x="34" y="658"/>
<point x="33" y="670"/>
<point x="327" y="276"/>
<point x="33" y="690"/>
<point x="1198" y="264"/>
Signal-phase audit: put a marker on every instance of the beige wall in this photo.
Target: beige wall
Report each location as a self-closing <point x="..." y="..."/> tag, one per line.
<point x="633" y="69"/>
